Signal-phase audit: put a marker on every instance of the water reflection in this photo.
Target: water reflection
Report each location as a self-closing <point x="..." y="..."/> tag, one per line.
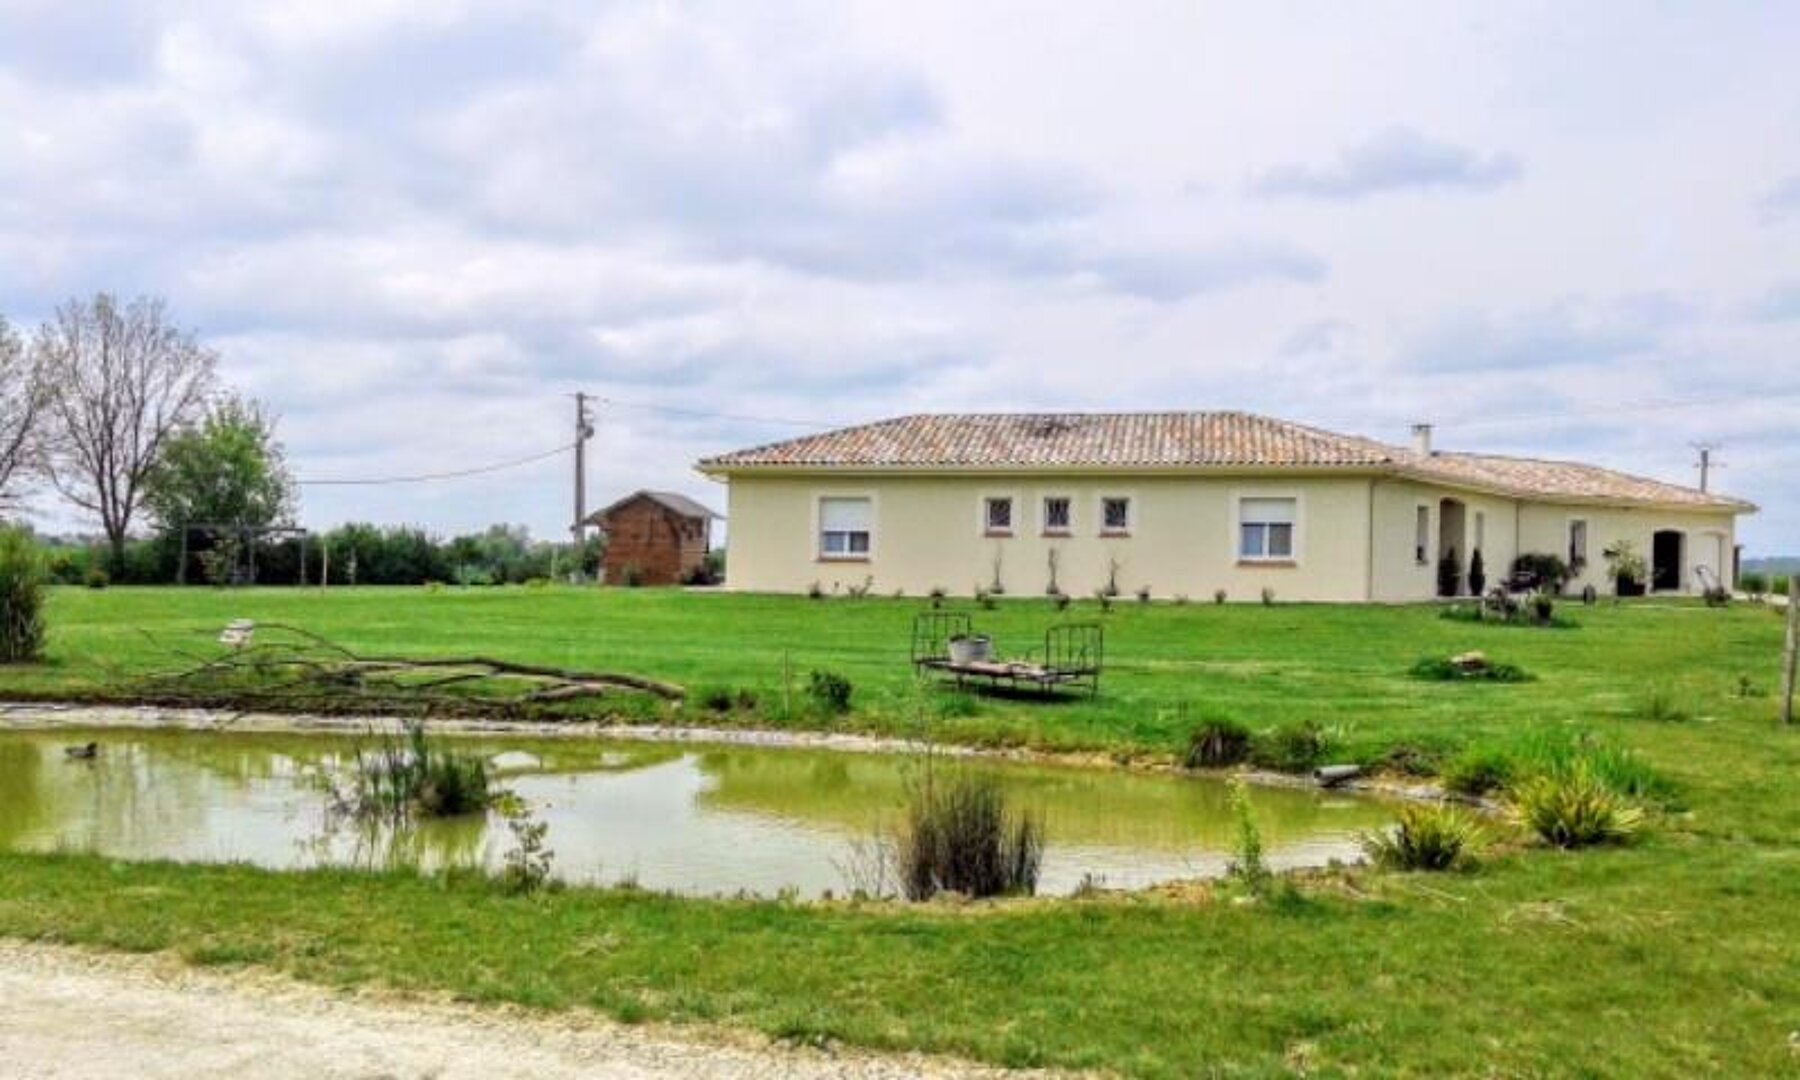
<point x="709" y="820"/>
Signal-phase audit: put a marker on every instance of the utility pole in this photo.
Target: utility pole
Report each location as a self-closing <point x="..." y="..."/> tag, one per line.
<point x="1706" y="463"/>
<point x="1790" y="650"/>
<point x="584" y="430"/>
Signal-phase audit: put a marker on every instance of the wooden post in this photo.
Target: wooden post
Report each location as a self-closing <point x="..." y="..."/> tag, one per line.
<point x="324" y="562"/>
<point x="1790" y="650"/>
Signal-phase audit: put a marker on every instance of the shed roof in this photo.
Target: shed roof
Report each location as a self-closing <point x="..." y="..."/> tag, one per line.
<point x="669" y="500"/>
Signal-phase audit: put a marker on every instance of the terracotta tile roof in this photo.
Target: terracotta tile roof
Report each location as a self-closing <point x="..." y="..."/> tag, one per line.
<point x="1560" y="480"/>
<point x="1016" y="440"/>
<point x="965" y="441"/>
<point x="680" y="504"/>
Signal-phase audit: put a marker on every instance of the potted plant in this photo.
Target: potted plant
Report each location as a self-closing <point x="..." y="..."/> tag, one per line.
<point x="1627" y="568"/>
<point x="971" y="648"/>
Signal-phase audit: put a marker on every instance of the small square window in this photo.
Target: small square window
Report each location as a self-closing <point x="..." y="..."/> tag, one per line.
<point x="1056" y="514"/>
<point x="998" y="518"/>
<point x="1115" y="514"/>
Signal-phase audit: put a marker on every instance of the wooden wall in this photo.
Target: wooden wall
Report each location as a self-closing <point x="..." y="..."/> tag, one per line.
<point x="664" y="546"/>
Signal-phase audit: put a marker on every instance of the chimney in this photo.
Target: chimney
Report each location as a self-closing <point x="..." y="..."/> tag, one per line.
<point x="1422" y="440"/>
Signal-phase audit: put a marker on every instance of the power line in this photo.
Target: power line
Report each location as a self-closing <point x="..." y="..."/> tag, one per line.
<point x="701" y="414"/>
<point x="424" y="478"/>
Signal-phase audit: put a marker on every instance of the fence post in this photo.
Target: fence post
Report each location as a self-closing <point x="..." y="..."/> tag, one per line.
<point x="1790" y="650"/>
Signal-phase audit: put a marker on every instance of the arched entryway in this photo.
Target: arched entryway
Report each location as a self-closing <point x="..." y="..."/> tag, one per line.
<point x="1668" y="549"/>
<point x="1453" y="547"/>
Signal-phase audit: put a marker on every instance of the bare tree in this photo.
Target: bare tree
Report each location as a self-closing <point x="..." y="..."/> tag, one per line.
<point x="23" y="402"/>
<point x="124" y="379"/>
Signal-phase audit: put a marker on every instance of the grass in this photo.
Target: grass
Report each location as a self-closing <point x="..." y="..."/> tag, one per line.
<point x="1668" y="957"/>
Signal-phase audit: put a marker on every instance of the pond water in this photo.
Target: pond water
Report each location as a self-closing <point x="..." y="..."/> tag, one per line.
<point x="692" y="819"/>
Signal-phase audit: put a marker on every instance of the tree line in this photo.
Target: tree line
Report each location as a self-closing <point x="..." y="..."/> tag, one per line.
<point x="122" y="413"/>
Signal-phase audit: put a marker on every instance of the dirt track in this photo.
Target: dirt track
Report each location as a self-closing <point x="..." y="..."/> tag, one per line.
<point x="74" y="1015"/>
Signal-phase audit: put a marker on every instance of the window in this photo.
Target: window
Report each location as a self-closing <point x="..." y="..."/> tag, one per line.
<point x="1422" y="535"/>
<point x="1480" y="531"/>
<point x="1266" y="529"/>
<point x="1056" y="514"/>
<point x="998" y="517"/>
<point x="1577" y="544"/>
<point x="1115" y="514"/>
<point x="844" y="528"/>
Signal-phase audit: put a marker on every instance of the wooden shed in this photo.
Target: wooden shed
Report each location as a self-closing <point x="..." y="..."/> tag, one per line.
<point x="654" y="538"/>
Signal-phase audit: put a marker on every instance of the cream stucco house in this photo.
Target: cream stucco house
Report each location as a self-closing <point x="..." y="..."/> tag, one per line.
<point x="1184" y="504"/>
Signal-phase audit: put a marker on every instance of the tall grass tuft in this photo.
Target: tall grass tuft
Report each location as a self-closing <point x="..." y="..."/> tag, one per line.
<point x="1576" y="808"/>
<point x="961" y="836"/>
<point x="1428" y="836"/>
<point x="408" y="776"/>
<point x="1217" y="741"/>
<point x="1248" y="864"/>
<point x="22" y="578"/>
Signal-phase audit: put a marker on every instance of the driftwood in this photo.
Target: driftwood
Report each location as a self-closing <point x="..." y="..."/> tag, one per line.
<point x="273" y="664"/>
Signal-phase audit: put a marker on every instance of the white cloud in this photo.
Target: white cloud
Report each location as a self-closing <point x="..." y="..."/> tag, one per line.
<point x="415" y="227"/>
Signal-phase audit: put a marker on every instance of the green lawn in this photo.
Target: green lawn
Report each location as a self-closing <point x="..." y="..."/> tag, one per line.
<point x="1674" y="957"/>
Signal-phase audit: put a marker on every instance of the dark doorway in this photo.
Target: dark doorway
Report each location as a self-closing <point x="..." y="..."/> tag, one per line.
<point x="1665" y="559"/>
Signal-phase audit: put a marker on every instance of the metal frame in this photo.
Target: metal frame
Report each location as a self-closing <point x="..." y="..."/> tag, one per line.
<point x="1071" y="657"/>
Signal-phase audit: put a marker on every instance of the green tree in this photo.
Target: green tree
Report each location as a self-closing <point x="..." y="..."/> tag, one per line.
<point x="226" y="470"/>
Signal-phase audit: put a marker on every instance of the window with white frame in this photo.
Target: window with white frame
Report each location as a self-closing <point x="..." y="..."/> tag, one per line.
<point x="1577" y="544"/>
<point x="1057" y="518"/>
<point x="1422" y="536"/>
<point x="845" y="527"/>
<point x="1266" y="529"/>
<point x="997" y="514"/>
<point x="1115" y="514"/>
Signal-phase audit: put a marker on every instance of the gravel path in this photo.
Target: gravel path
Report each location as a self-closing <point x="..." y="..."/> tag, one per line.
<point x="73" y="1015"/>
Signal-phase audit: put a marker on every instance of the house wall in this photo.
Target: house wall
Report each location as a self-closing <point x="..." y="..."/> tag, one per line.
<point x="929" y="533"/>
<point x="663" y="547"/>
<point x="1710" y="538"/>
<point x="1183" y="538"/>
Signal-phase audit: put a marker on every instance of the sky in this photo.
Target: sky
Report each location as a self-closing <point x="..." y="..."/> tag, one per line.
<point x="416" y="228"/>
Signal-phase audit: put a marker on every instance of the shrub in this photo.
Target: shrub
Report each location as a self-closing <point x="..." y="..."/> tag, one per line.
<point x="1216" y="742"/>
<point x="526" y="865"/>
<point x="1626" y="567"/>
<point x="829" y="691"/>
<point x="1781" y="586"/>
<point x="1289" y="748"/>
<point x="1218" y="596"/>
<point x="22" y="576"/>
<point x="96" y="577"/>
<point x="1478" y="771"/>
<point x="1143" y="594"/>
<point x="1470" y="667"/>
<point x="958" y="705"/>
<point x="961" y="836"/>
<point x="409" y="776"/>
<point x="1247" y="864"/>
<point x="1754" y="584"/>
<point x="1717" y="596"/>
<point x="1543" y="607"/>
<point x="1477" y="573"/>
<point x="1576" y="808"/>
<point x="1547" y="572"/>
<point x="937" y="595"/>
<point x="1449" y="574"/>
<point x="715" y="699"/>
<point x="1428" y="836"/>
<point x="1557" y="752"/>
<point x="815" y="591"/>
<point x="1268" y="595"/>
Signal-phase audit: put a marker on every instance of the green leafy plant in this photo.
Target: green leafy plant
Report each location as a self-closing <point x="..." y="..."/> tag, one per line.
<point x="1626" y="567"/>
<point x="1289" y="748"/>
<point x="22" y="578"/>
<point x="1428" y="836"/>
<point x="1576" y="808"/>
<point x="1755" y="585"/>
<point x="1661" y="706"/>
<point x="1449" y="574"/>
<point x="1547" y="572"/>
<point x="960" y="835"/>
<point x="829" y="691"/>
<point x="1217" y="742"/>
<point x="1248" y="866"/>
<point x="526" y="865"/>
<point x="1470" y="667"/>
<point x="96" y="577"/>
<point x="1477" y="573"/>
<point x="1218" y="596"/>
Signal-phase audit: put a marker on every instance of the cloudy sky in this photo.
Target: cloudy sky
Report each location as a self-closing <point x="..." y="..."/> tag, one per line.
<point x="416" y="227"/>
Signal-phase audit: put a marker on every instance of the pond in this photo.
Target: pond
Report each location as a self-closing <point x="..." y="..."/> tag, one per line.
<point x="700" y="820"/>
